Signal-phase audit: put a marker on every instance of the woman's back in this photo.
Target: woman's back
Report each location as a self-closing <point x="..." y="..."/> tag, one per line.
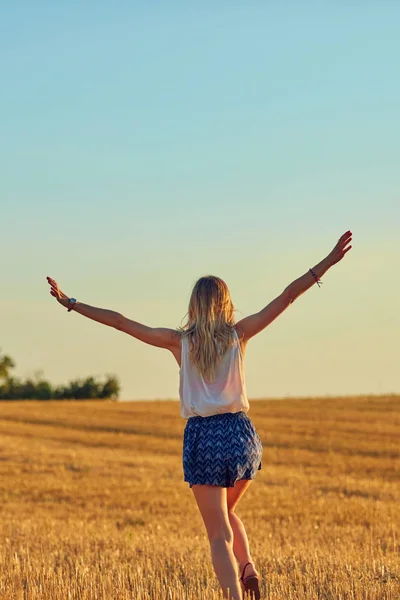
<point x="227" y="391"/>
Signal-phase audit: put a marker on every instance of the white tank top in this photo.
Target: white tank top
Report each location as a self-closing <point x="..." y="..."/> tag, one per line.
<point x="227" y="393"/>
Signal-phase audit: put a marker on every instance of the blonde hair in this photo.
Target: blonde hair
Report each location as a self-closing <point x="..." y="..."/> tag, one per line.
<point x="210" y="324"/>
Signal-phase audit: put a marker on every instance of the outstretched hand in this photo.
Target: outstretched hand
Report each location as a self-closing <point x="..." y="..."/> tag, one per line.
<point x="56" y="292"/>
<point x="341" y="248"/>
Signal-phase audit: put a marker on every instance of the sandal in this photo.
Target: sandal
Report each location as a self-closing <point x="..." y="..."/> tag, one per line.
<point x="251" y="585"/>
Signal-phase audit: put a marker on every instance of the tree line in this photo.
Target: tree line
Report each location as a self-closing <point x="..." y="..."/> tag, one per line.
<point x="37" y="388"/>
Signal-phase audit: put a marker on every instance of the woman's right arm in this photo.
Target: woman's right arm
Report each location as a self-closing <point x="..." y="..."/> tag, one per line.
<point x="250" y="326"/>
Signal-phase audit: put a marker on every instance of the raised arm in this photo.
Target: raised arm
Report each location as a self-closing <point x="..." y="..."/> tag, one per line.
<point x="162" y="337"/>
<point x="250" y="326"/>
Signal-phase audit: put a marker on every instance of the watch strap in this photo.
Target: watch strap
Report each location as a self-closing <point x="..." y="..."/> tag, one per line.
<point x="71" y="304"/>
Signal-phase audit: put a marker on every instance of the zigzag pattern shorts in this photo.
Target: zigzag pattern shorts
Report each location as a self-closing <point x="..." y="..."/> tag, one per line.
<point x="221" y="449"/>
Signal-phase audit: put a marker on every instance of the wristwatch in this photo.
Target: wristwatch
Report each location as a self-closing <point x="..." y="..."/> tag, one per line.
<point x="71" y="303"/>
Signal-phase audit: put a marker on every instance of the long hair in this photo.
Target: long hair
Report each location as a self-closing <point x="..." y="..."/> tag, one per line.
<point x="210" y="324"/>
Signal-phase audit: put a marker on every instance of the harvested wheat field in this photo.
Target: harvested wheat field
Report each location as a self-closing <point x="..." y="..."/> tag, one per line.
<point x="94" y="506"/>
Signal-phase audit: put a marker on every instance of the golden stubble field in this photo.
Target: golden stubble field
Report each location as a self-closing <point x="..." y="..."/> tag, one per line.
<point x="94" y="506"/>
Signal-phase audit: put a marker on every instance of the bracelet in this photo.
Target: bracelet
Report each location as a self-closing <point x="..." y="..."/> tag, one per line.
<point x="317" y="279"/>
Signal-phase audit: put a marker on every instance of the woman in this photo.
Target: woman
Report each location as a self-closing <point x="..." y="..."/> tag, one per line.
<point x="222" y="451"/>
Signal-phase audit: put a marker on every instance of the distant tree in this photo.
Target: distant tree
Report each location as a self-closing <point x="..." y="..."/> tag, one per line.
<point x="6" y="364"/>
<point x="37" y="388"/>
<point x="44" y="391"/>
<point x="27" y="389"/>
<point x="89" y="388"/>
<point x="59" y="393"/>
<point x="111" y="388"/>
<point x="11" y="389"/>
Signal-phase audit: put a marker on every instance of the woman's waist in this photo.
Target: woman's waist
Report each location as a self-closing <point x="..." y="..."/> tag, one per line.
<point x="221" y="415"/>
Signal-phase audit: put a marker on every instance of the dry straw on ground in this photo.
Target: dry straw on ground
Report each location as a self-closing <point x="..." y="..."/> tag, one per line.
<point x="94" y="506"/>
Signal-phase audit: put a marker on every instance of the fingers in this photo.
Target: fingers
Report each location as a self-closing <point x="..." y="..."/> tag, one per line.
<point x="340" y="249"/>
<point x="344" y="240"/>
<point x="345" y="236"/>
<point x="54" y="289"/>
<point x="52" y="282"/>
<point x="344" y="244"/>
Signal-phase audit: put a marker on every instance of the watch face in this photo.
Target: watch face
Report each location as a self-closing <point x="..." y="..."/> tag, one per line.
<point x="72" y="300"/>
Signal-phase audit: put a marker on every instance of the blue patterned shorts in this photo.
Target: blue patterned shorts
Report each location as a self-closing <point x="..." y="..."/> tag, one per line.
<point x="221" y="449"/>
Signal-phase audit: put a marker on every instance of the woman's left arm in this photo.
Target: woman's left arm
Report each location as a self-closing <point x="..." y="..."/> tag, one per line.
<point x="162" y="337"/>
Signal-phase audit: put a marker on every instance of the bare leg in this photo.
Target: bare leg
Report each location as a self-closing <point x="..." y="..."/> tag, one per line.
<point x="240" y="541"/>
<point x="224" y="563"/>
<point x="212" y="504"/>
<point x="241" y="545"/>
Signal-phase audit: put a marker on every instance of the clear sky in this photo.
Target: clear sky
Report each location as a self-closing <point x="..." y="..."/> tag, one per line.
<point x="145" y="144"/>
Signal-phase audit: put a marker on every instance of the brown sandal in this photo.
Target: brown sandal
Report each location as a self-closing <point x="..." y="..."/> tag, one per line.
<point x="251" y="585"/>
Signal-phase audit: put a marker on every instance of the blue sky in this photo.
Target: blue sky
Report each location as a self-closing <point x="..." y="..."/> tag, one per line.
<point x="145" y="145"/>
